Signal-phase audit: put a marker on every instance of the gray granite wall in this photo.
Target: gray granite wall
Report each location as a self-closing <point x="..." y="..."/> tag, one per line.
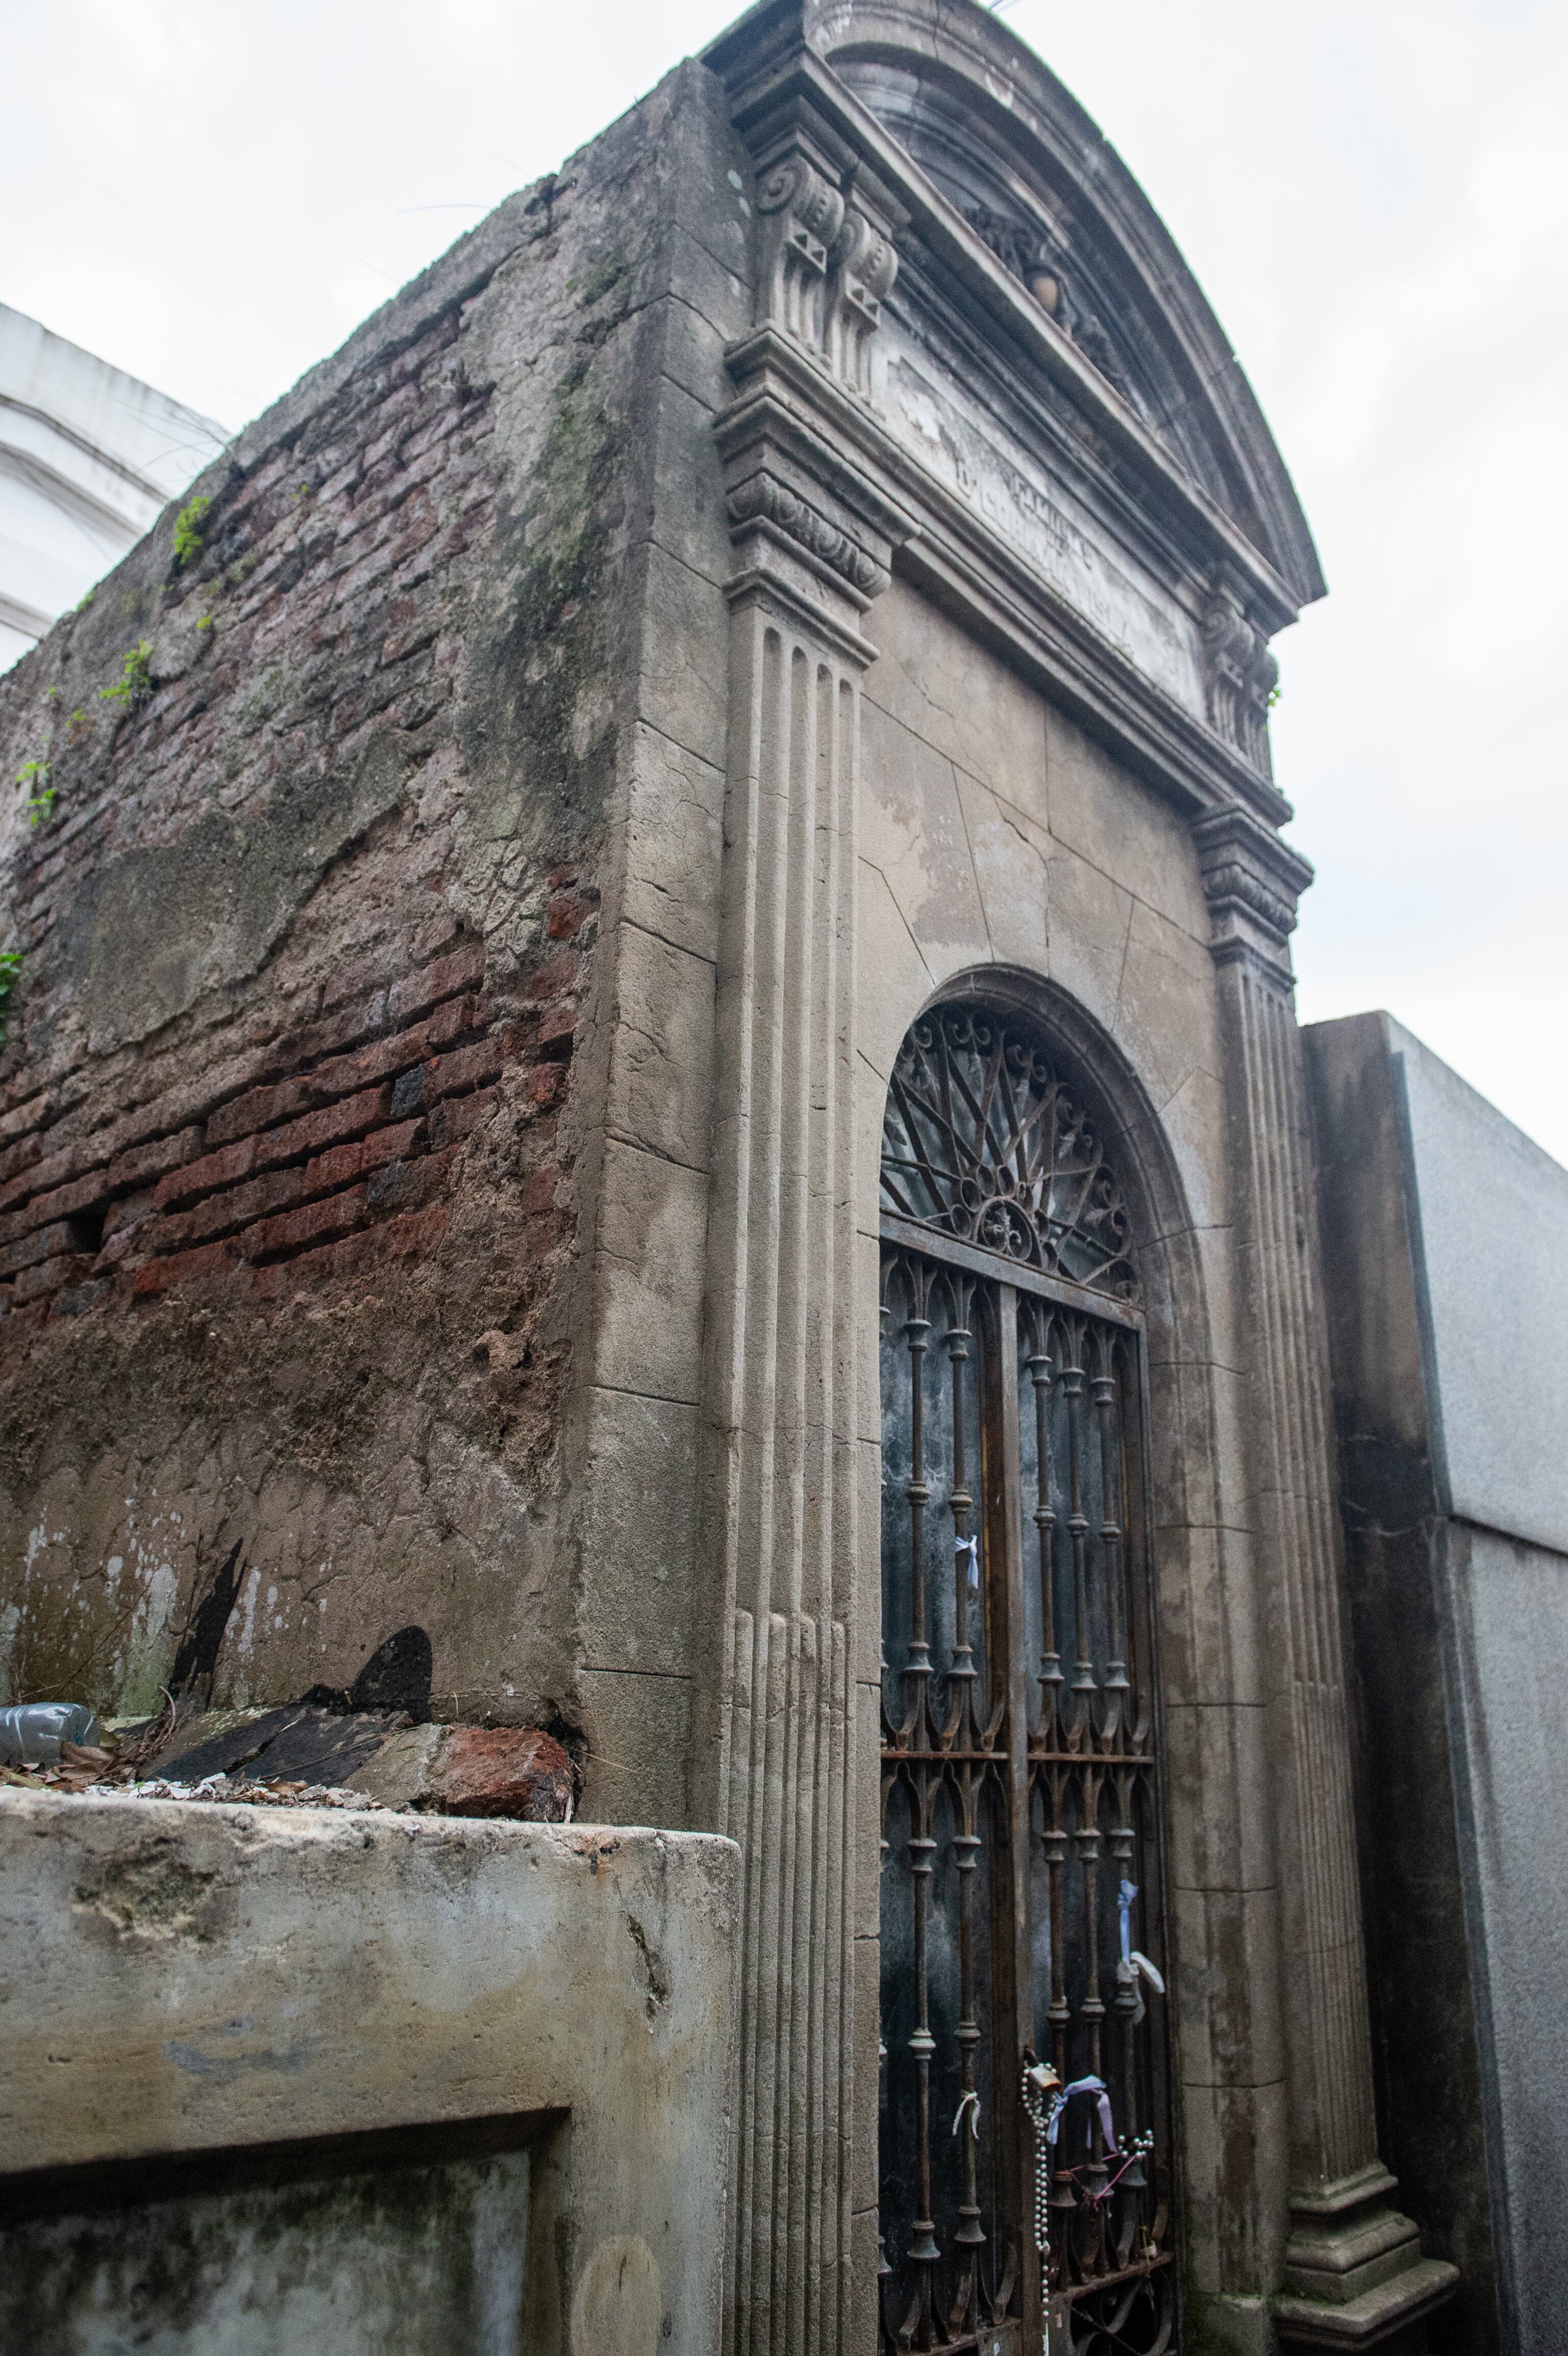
<point x="1445" y="1232"/>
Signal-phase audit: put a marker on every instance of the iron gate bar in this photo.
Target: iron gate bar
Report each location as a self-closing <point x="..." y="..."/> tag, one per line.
<point x="916" y="1235"/>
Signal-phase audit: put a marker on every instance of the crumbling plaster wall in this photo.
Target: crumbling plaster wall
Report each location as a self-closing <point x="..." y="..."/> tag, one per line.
<point x="302" y="1131"/>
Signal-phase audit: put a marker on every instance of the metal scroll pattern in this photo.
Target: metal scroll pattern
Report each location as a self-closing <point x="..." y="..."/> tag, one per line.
<point x="1019" y="1829"/>
<point x="982" y="1141"/>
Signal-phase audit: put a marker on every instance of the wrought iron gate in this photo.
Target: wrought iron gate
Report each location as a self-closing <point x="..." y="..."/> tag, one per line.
<point x="1021" y="1914"/>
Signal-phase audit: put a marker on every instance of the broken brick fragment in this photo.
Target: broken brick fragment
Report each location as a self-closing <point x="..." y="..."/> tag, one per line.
<point x="501" y="1770"/>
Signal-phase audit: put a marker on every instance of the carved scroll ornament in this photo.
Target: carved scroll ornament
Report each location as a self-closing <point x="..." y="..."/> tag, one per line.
<point x="824" y="267"/>
<point x="1241" y="676"/>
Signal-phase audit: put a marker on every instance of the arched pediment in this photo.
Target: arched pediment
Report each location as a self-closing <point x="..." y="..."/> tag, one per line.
<point x="997" y="135"/>
<point x="1035" y="177"/>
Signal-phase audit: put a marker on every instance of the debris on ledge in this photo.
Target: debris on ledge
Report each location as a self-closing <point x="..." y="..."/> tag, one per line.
<point x="309" y="1758"/>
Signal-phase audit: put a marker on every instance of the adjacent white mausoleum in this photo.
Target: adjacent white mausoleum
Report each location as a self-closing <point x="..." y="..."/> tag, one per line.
<point x="89" y="456"/>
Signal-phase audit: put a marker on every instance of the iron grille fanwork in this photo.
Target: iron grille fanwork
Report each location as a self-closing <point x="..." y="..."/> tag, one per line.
<point x="982" y="1142"/>
<point x="1021" y="1913"/>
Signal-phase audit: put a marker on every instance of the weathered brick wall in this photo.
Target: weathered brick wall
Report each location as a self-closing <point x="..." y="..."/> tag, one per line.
<point x="288" y="1140"/>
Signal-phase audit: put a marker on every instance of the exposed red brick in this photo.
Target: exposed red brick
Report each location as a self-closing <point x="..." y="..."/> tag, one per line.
<point x="206" y="1176"/>
<point x="444" y="978"/>
<point x="42" y="1244"/>
<point x="554" y="976"/>
<point x="220" y="1214"/>
<point x="54" y="1177"/>
<point x="50" y="1275"/>
<point x="415" y="1232"/>
<point x="539" y="1188"/>
<point x="545" y="1083"/>
<point x="459" y="1116"/>
<point x="380" y="1060"/>
<point x="139" y="1165"/>
<point x="63" y="1203"/>
<point x="404" y="1136"/>
<point x="501" y="1770"/>
<point x="183" y="1268"/>
<point x="466" y="1067"/>
<point x="329" y="1125"/>
<point x="566" y="913"/>
<point x="296" y="1231"/>
<point x="349" y="1026"/>
<point x="348" y="1117"/>
<point x="558" y="1024"/>
<point x="20" y="1157"/>
<point x="451" y="1021"/>
<point x="257" y="1109"/>
<point x="340" y="1165"/>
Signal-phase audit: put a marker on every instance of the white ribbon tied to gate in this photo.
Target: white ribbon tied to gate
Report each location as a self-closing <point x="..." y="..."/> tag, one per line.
<point x="971" y="1547"/>
<point x="1136" y="1965"/>
<point x="964" y="2104"/>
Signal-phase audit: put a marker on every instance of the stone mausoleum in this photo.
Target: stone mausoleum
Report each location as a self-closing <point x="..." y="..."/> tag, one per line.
<point x="652" y="1030"/>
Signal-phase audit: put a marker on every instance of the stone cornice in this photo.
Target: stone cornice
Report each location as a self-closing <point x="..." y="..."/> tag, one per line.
<point x="789" y="402"/>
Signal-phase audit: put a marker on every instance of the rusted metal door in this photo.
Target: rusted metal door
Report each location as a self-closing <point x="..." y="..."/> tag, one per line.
<point x="1020" y="1908"/>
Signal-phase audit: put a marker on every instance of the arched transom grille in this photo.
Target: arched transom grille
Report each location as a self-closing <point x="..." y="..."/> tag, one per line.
<point x="982" y="1141"/>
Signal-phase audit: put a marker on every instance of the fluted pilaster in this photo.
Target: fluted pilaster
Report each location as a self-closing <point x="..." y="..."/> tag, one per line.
<point x="1354" y="2273"/>
<point x="812" y="549"/>
<point x="783" y="1349"/>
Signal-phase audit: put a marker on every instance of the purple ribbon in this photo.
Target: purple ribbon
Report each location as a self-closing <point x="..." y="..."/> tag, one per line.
<point x="1095" y="2086"/>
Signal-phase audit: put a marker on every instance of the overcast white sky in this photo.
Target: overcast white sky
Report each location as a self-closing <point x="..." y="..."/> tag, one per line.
<point x="1374" y="194"/>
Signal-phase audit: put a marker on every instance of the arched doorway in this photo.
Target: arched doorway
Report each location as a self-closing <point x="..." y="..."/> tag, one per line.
<point x="1021" y="1915"/>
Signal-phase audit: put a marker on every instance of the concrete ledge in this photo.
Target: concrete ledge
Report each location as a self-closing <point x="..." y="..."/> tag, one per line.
<point x="179" y="1980"/>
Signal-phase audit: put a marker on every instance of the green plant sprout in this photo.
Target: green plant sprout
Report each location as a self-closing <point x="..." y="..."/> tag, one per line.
<point x="10" y="967"/>
<point x="188" y="531"/>
<point x="40" y="803"/>
<point x="135" y="682"/>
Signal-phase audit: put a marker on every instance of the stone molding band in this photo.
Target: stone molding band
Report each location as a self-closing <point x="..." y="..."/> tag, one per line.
<point x="763" y="498"/>
<point x="1252" y="881"/>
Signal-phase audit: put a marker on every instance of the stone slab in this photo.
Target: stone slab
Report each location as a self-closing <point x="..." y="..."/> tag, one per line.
<point x="1493" y="1214"/>
<point x="1508" y="1609"/>
<point x="184" y="1982"/>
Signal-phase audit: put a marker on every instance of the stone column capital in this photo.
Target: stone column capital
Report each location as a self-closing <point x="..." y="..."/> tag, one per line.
<point x="1251" y="880"/>
<point x="826" y="242"/>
